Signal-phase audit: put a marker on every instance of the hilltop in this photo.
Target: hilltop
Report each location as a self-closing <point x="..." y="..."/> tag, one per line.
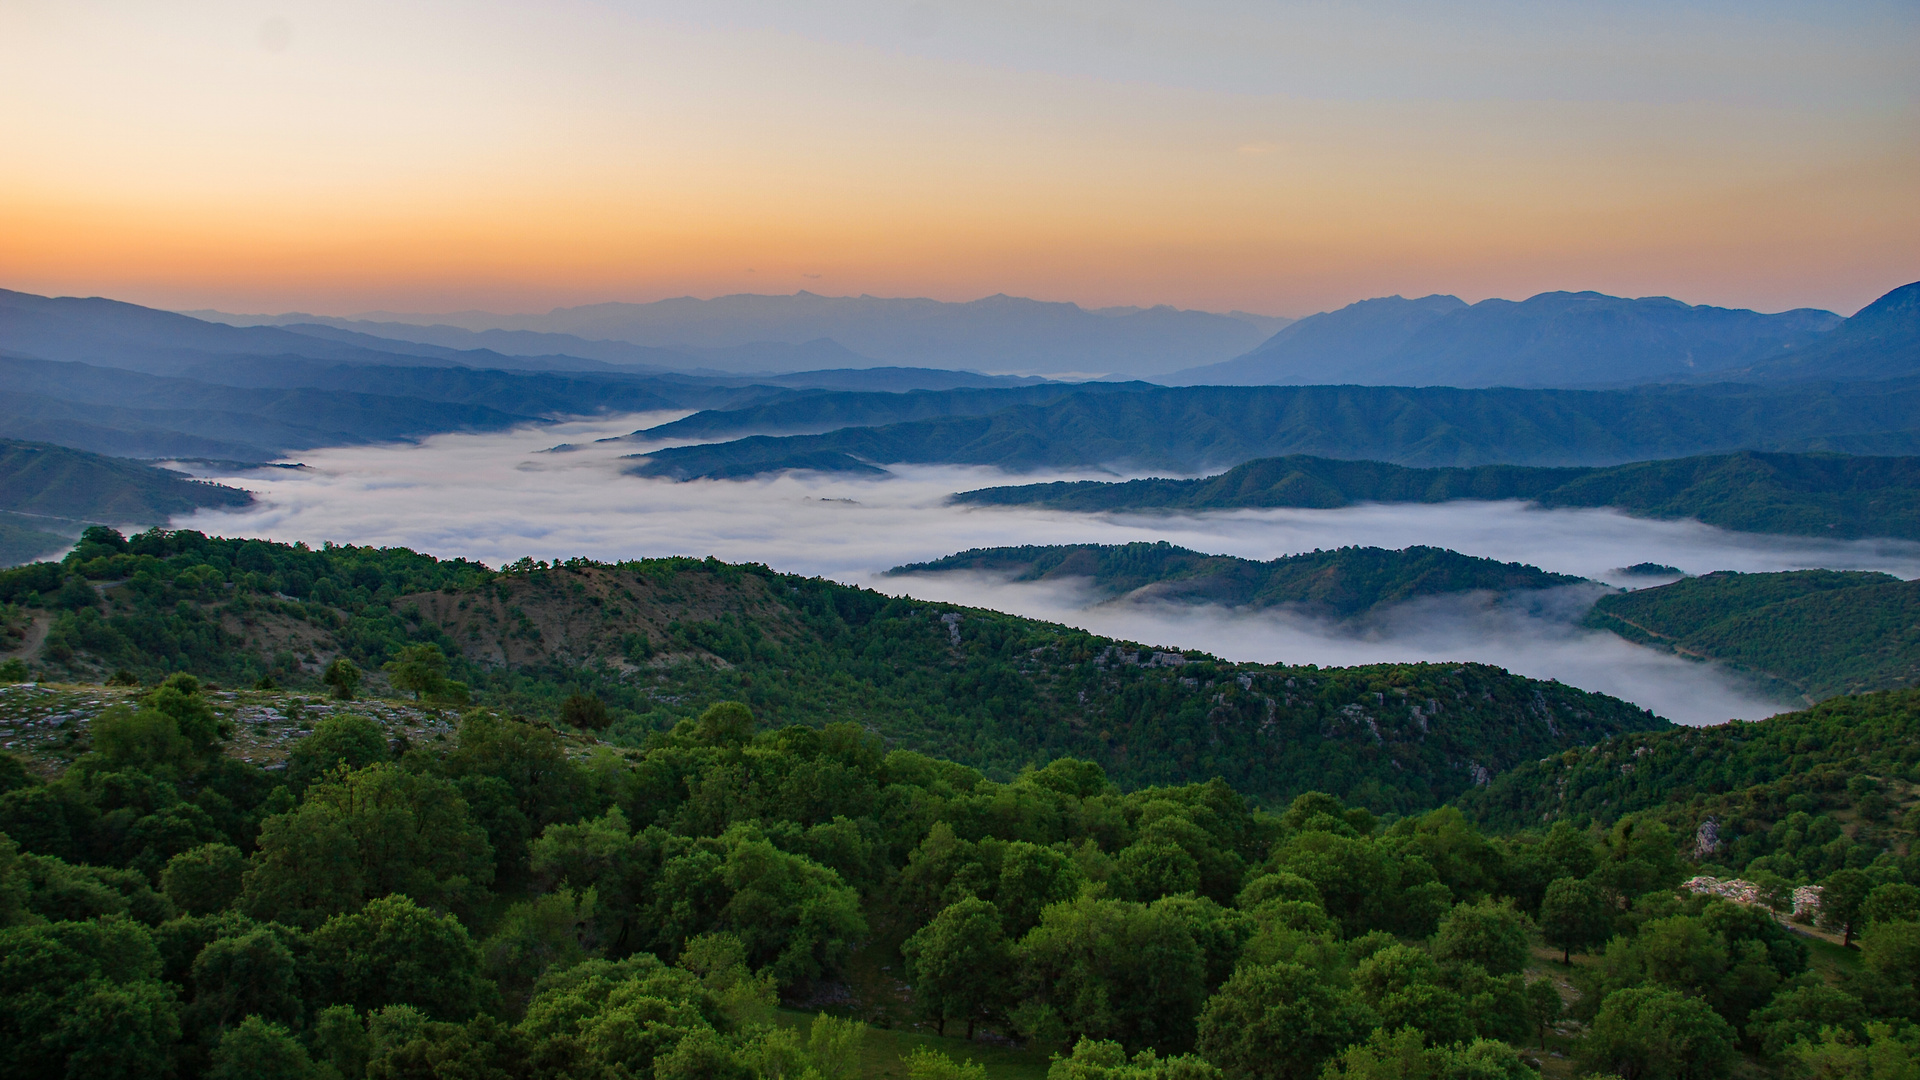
<point x="1344" y="583"/>
<point x="49" y="493"/>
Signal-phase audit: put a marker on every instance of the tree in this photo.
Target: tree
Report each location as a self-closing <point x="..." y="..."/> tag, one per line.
<point x="1544" y="1005"/>
<point x="1651" y="1033"/>
<point x="393" y="951"/>
<point x="419" y="668"/>
<point x="370" y="833"/>
<point x="1843" y="895"/>
<point x="1489" y="934"/>
<point x="585" y="711"/>
<point x="620" y="1017"/>
<point x="1801" y="1013"/>
<point x="1114" y="970"/>
<point x="341" y="739"/>
<point x="205" y="879"/>
<point x="1031" y="877"/>
<point x="258" y="1050"/>
<point x="925" y="1064"/>
<point x="344" y="676"/>
<point x="1275" y="1022"/>
<point x="725" y="723"/>
<point x="1574" y="916"/>
<point x="1404" y="1055"/>
<point x="251" y="974"/>
<point x="960" y="964"/>
<point x="1404" y="988"/>
<point x="84" y="999"/>
<point x="1892" y="902"/>
<point x="1099" y="1060"/>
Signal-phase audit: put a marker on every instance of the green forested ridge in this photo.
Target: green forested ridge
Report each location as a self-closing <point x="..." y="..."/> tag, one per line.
<point x="659" y="640"/>
<point x="514" y="900"/>
<point x="1796" y="494"/>
<point x="51" y="481"/>
<point x="1345" y="582"/>
<point x="1190" y="429"/>
<point x="1821" y="632"/>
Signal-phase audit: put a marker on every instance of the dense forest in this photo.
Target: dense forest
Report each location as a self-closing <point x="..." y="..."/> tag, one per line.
<point x="1797" y="494"/>
<point x="1343" y="583"/>
<point x="1814" y="633"/>
<point x="657" y="641"/>
<point x="513" y="898"/>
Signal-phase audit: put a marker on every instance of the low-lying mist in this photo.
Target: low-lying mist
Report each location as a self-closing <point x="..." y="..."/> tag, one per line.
<point x="500" y="496"/>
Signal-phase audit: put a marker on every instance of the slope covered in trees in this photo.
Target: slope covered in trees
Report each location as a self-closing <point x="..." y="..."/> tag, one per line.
<point x="1821" y="632"/>
<point x="1796" y="494"/>
<point x="513" y="901"/>
<point x="1343" y="583"/>
<point x="1193" y="429"/>
<point x="658" y="640"/>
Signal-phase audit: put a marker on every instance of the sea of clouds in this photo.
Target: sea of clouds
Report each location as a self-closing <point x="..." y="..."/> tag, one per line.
<point x="498" y="497"/>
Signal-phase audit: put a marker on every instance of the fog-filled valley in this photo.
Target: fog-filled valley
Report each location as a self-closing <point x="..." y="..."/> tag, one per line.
<point x="501" y="496"/>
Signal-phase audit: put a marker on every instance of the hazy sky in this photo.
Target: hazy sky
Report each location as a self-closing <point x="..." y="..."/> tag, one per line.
<point x="1275" y="157"/>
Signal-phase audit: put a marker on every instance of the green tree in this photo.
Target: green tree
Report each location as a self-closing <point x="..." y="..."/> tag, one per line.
<point x="1652" y="1033"/>
<point x="960" y="964"/>
<point x="1405" y="1055"/>
<point x="1574" y="916"/>
<point x="1544" y="1007"/>
<point x="1843" y="896"/>
<point x="925" y="1064"/>
<point x="369" y="833"/>
<point x="585" y="711"/>
<point x="205" y="879"/>
<point x="1404" y="988"/>
<point x="1031" y="877"/>
<point x="550" y="932"/>
<point x="258" y="1050"/>
<point x="341" y="739"/>
<point x="620" y="1017"/>
<point x="1275" y="1022"/>
<point x="343" y="675"/>
<point x="251" y="974"/>
<point x="1895" y="901"/>
<point x="1801" y="1013"/>
<point x="1492" y="935"/>
<point x="1115" y="970"/>
<point x="84" y="999"/>
<point x="1101" y="1060"/>
<point x="421" y="669"/>
<point x="393" y="951"/>
<point x="1884" y="1053"/>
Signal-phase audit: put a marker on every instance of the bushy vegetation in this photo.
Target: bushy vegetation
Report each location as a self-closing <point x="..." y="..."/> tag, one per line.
<point x="1345" y="582"/>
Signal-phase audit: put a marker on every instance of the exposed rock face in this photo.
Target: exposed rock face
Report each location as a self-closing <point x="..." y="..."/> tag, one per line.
<point x="1706" y="841"/>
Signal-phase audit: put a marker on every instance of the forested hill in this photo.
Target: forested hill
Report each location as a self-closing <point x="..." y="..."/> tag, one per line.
<point x="1191" y="429"/>
<point x="1798" y="494"/>
<point x="49" y="493"/>
<point x="658" y="640"/>
<point x="1820" y="632"/>
<point x="1344" y="583"/>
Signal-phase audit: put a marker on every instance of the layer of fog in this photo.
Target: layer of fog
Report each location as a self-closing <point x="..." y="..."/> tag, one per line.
<point x="497" y="497"/>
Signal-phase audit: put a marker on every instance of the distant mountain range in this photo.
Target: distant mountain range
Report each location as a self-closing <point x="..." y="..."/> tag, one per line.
<point x="1347" y="583"/>
<point x="746" y="333"/>
<point x="1795" y="494"/>
<point x="1560" y="339"/>
<point x="1204" y="428"/>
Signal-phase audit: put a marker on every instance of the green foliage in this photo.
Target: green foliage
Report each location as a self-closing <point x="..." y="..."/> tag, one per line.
<point x="205" y="879"/>
<point x="1494" y="936"/>
<point x="393" y="951"/>
<point x="1105" y="1060"/>
<point x="343" y="676"/>
<point x="340" y="739"/>
<point x="258" y="1050"/>
<point x="1111" y="969"/>
<point x="1276" y="1022"/>
<point x="1404" y="1055"/>
<point x="960" y="965"/>
<point x="1656" y="1034"/>
<point x="1821" y="632"/>
<point x="366" y="834"/>
<point x="1575" y="916"/>
<point x="925" y="1064"/>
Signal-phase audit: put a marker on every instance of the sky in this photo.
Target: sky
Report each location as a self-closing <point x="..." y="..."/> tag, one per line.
<point x="499" y="496"/>
<point x="1283" y="158"/>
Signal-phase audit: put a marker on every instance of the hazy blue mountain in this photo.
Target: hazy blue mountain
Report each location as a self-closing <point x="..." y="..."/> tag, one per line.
<point x="997" y="333"/>
<point x="1881" y="341"/>
<point x="1197" y="429"/>
<point x="129" y="413"/>
<point x="1795" y="494"/>
<point x="1553" y="339"/>
<point x="1345" y="583"/>
<point x="49" y="493"/>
